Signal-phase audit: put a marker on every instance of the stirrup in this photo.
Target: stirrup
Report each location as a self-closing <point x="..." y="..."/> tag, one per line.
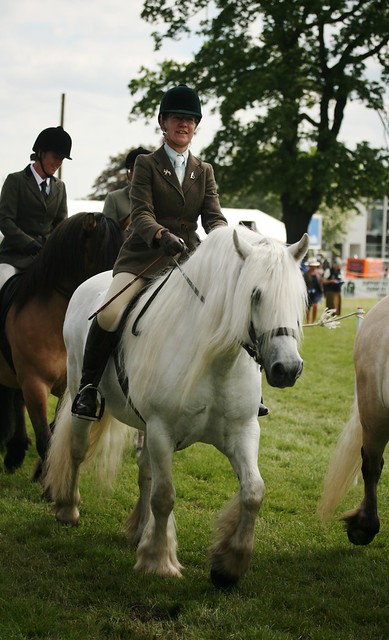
<point x="101" y="401"/>
<point x="262" y="410"/>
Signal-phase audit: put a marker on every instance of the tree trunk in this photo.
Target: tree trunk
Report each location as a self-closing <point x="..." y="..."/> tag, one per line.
<point x="296" y="219"/>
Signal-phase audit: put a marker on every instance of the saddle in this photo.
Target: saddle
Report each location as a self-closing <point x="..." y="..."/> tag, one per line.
<point x="7" y="295"/>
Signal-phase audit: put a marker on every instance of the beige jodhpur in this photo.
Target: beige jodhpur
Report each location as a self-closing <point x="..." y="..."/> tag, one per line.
<point x="109" y="318"/>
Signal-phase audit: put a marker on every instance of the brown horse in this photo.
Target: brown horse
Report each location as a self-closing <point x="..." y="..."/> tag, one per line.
<point x="364" y="438"/>
<point x="33" y="355"/>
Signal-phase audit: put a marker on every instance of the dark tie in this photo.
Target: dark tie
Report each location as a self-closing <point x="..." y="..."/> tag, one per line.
<point x="43" y="186"/>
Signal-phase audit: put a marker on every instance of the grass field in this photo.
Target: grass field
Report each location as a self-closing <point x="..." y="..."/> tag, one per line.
<point x="306" y="581"/>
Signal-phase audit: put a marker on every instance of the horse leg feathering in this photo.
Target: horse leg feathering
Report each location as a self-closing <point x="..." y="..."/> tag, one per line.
<point x="189" y="387"/>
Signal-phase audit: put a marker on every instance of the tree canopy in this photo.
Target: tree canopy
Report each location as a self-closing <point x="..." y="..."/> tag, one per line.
<point x="280" y="75"/>
<point x="113" y="177"/>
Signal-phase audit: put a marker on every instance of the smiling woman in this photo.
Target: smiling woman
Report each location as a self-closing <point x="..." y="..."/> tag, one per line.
<point x="33" y="203"/>
<point x="170" y="191"/>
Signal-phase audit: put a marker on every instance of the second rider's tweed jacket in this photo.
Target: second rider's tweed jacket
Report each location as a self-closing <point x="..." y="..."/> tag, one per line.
<point x="25" y="215"/>
<point x="158" y="201"/>
<point x="117" y="204"/>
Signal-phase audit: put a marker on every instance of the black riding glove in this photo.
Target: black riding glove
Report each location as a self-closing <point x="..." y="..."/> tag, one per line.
<point x="170" y="243"/>
<point x="33" y="248"/>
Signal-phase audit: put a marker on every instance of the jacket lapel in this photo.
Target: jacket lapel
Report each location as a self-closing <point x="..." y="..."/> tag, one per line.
<point x="192" y="173"/>
<point x="164" y="166"/>
<point x="32" y="184"/>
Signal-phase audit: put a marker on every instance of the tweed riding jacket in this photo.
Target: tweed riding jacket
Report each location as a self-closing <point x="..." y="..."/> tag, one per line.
<point x="25" y="215"/>
<point x="159" y="201"/>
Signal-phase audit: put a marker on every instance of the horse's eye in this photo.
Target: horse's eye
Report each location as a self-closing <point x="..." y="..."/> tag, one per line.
<point x="256" y="296"/>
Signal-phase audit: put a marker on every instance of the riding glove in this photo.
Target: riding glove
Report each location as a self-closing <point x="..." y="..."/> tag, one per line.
<point x="170" y="243"/>
<point x="33" y="248"/>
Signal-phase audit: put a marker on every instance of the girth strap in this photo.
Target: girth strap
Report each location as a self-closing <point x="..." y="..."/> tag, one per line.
<point x="123" y="381"/>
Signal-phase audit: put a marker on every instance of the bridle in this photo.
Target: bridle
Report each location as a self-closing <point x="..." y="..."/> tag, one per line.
<point x="255" y="349"/>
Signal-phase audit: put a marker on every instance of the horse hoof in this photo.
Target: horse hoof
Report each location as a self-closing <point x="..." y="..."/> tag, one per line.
<point x="12" y="463"/>
<point x="64" y="515"/>
<point x="360" y="537"/>
<point x="360" y="530"/>
<point x="222" y="581"/>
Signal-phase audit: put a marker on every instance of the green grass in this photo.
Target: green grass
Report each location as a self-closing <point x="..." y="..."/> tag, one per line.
<point x="306" y="581"/>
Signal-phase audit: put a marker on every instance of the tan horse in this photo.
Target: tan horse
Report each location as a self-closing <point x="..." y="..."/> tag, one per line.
<point x="363" y="441"/>
<point x="33" y="355"/>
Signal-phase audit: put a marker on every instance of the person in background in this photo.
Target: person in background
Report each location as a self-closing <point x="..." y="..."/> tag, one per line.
<point x="117" y="203"/>
<point x="171" y="190"/>
<point x="314" y="285"/>
<point x="332" y="285"/>
<point x="33" y="202"/>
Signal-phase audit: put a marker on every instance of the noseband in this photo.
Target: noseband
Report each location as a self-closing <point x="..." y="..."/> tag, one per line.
<point x="254" y="350"/>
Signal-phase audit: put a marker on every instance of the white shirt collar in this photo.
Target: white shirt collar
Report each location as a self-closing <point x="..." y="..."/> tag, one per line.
<point x="37" y="176"/>
<point x="173" y="154"/>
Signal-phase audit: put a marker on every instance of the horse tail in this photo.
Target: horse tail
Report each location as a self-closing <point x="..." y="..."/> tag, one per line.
<point x="344" y="466"/>
<point x="57" y="471"/>
<point x="107" y="440"/>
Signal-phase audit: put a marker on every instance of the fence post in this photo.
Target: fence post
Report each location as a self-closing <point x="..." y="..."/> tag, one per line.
<point x="360" y="315"/>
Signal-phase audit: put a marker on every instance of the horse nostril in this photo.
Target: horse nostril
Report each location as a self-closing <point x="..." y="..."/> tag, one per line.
<point x="284" y="376"/>
<point x="278" y="371"/>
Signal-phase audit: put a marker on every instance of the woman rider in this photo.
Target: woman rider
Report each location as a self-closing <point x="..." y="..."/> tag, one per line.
<point x="165" y="209"/>
<point x="33" y="202"/>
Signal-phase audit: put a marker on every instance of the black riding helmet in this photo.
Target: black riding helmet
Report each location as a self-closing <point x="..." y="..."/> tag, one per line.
<point x="132" y="156"/>
<point x="180" y="99"/>
<point x="54" y="139"/>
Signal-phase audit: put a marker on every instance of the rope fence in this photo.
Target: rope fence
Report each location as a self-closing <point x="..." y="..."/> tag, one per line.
<point x="330" y="320"/>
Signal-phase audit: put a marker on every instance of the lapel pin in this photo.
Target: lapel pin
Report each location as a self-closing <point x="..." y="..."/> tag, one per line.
<point x="167" y="172"/>
<point x="192" y="175"/>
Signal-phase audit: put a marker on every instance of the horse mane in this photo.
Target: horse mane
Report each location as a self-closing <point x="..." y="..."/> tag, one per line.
<point x="221" y="324"/>
<point x="62" y="263"/>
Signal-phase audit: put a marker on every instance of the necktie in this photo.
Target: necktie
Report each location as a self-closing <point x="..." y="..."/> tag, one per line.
<point x="43" y="186"/>
<point x="179" y="167"/>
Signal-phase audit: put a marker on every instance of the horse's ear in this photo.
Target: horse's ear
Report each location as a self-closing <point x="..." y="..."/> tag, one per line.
<point x="89" y="221"/>
<point x="300" y="248"/>
<point x="242" y="247"/>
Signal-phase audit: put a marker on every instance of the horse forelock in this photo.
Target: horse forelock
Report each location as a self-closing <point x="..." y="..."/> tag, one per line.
<point x="270" y="283"/>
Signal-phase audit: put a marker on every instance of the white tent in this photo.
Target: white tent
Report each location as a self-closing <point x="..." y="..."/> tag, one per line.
<point x="78" y="206"/>
<point x="258" y="221"/>
<point x="253" y="218"/>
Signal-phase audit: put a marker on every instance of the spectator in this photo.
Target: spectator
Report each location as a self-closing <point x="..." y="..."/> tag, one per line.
<point x="332" y="284"/>
<point x="313" y="281"/>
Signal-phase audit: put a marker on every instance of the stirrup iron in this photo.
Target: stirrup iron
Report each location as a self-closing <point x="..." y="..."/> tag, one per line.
<point x="99" y="400"/>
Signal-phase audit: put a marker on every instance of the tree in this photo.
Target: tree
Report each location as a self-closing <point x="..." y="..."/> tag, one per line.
<point x="113" y="177"/>
<point x="281" y="75"/>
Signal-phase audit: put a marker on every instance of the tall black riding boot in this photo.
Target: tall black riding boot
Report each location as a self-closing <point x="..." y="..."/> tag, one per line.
<point x="98" y="348"/>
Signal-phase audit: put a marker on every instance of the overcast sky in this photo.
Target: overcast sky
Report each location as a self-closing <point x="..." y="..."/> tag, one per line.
<point x="89" y="51"/>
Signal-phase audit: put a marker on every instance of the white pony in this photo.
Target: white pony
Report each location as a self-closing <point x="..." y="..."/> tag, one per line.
<point x="190" y="374"/>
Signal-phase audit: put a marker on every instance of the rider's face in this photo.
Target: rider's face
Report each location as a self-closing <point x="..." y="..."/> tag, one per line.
<point x="51" y="161"/>
<point x="179" y="130"/>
